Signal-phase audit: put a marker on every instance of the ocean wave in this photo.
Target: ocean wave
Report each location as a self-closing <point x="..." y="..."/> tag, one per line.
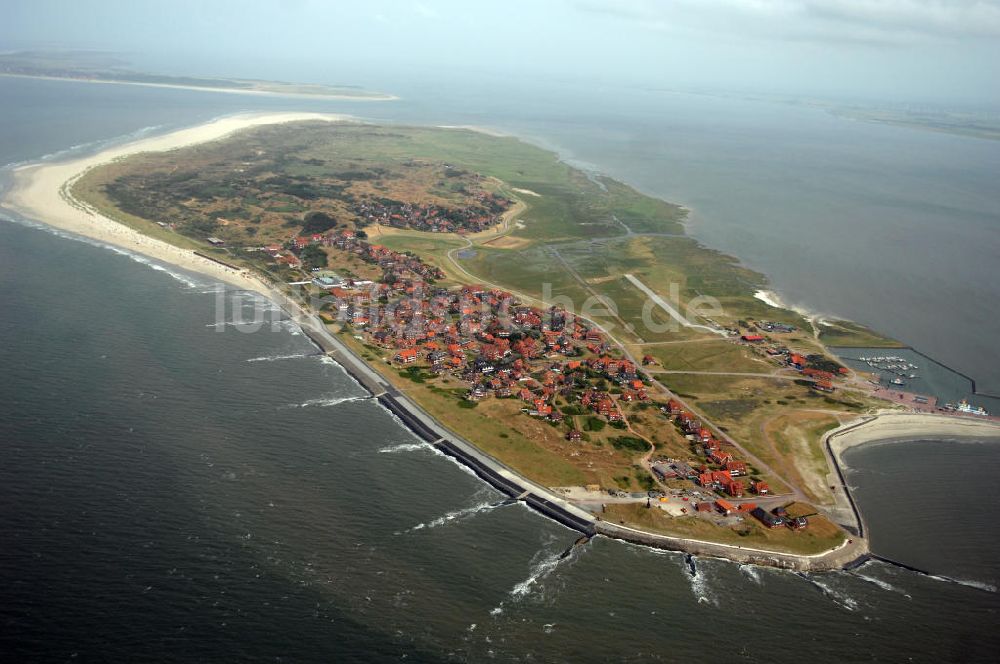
<point x="324" y="402"/>
<point x="884" y="585"/>
<point x="276" y="358"/>
<point x="839" y="598"/>
<point x="455" y="515"/>
<point x="406" y="447"/>
<point x="772" y="299"/>
<point x="89" y="146"/>
<point x="291" y="327"/>
<point x="538" y="573"/>
<point x="752" y="573"/>
<point x="969" y="583"/>
<point x="698" y="580"/>
<point x="183" y="278"/>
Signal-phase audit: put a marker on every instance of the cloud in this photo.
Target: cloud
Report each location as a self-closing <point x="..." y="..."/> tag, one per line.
<point x="891" y="22"/>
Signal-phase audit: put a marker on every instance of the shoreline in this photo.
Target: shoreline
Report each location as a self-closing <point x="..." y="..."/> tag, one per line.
<point x="893" y="427"/>
<point x="378" y="96"/>
<point x="41" y="192"/>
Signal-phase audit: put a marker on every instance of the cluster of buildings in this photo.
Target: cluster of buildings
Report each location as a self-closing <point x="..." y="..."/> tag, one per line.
<point x="393" y="263"/>
<point x="779" y="517"/>
<point x="721" y="472"/>
<point x="504" y="349"/>
<point x="435" y="218"/>
<point x="396" y="266"/>
<point x="820" y="379"/>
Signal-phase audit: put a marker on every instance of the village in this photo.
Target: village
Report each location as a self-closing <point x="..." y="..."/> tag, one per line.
<point x="501" y="348"/>
<point x="474" y="217"/>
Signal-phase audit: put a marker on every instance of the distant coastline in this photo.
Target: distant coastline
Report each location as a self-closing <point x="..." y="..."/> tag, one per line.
<point x="375" y="96"/>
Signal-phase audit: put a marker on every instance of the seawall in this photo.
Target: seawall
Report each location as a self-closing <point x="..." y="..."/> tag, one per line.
<point x="507" y="481"/>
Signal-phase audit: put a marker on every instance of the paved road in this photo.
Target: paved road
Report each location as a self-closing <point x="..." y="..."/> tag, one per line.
<point x="752" y="458"/>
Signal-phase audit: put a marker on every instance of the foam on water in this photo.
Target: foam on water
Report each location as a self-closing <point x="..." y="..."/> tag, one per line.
<point x="772" y="299"/>
<point x="979" y="585"/>
<point x="406" y="447"/>
<point x="751" y="572"/>
<point x="276" y="358"/>
<point x="699" y="584"/>
<point x="183" y="278"/>
<point x="463" y="513"/>
<point x="90" y="146"/>
<point x="324" y="402"/>
<point x="884" y="585"/>
<point x="544" y="566"/>
<point x="839" y="598"/>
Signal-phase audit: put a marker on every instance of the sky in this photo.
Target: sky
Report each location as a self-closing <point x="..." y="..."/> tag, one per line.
<point x="926" y="50"/>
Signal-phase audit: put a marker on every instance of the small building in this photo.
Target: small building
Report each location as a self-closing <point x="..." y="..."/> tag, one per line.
<point x="703" y="506"/>
<point x="797" y="523"/>
<point x="684" y="470"/>
<point x="720" y="457"/>
<point x="760" y="488"/>
<point x="768" y="519"/>
<point x="575" y="436"/>
<point x="663" y="471"/>
<point x="215" y="242"/>
<point x="746" y="507"/>
<point x="736" y="468"/>
<point x="752" y="338"/>
<point x="724" y="506"/>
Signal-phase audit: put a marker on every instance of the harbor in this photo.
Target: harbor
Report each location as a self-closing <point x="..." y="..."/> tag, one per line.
<point x="908" y="377"/>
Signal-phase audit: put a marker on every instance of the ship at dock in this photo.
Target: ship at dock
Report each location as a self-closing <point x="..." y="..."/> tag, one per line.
<point x="964" y="406"/>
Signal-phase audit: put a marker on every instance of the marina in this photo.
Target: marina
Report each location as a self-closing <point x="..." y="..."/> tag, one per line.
<point x="927" y="383"/>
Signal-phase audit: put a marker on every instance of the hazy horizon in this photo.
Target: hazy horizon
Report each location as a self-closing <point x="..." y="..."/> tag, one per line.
<point x="921" y="51"/>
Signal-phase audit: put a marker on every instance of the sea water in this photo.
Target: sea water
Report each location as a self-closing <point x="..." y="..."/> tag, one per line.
<point x="166" y="495"/>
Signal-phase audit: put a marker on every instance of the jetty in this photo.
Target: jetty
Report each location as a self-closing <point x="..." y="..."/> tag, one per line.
<point x="539" y="498"/>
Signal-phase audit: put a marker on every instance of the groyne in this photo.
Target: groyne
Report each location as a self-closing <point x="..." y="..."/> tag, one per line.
<point x="540" y="499"/>
<point x="840" y="558"/>
<point x="488" y="469"/>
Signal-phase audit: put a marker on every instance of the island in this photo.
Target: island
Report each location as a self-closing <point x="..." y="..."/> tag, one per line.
<point x="555" y="330"/>
<point x="98" y="67"/>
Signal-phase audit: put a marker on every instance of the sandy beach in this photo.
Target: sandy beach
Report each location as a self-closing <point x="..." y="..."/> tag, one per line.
<point x="41" y="192"/>
<point x="909" y="426"/>
<point x="887" y="427"/>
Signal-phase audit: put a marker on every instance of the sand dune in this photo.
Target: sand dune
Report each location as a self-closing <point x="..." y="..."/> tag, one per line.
<point x="41" y="192"/>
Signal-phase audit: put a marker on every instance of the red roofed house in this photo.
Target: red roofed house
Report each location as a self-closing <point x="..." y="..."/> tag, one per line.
<point x="724" y="506"/>
<point x="720" y="457"/>
<point x="760" y="488"/>
<point x="752" y="338"/>
<point x="736" y="468"/>
<point x="721" y="477"/>
<point x="406" y="356"/>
